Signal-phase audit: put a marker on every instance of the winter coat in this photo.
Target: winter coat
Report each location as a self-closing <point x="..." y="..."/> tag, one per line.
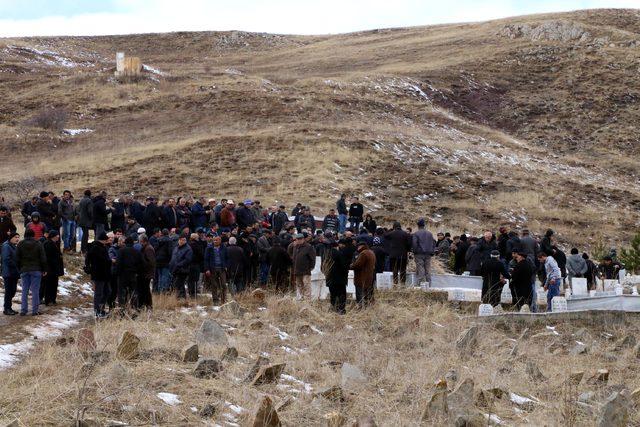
<point x="184" y="216"/>
<point x="47" y="212"/>
<point x="364" y="269"/>
<point x="209" y="258"/>
<point x="38" y="229"/>
<point x="381" y="257"/>
<point x="99" y="262"/>
<point x="112" y="251"/>
<point x="491" y="285"/>
<point x="278" y="220"/>
<point x="514" y="244"/>
<point x="30" y="256"/>
<point x="306" y="221"/>
<point x="473" y="259"/>
<point x="422" y="243"/>
<point x="398" y="243"/>
<point x="55" y="265"/>
<point x="331" y="223"/>
<point x="163" y="254"/>
<point x="278" y="258"/>
<point x="85" y="212"/>
<point x="341" y="207"/>
<point x="197" y="259"/>
<point x="244" y="217"/>
<point x="237" y="262"/>
<point x="136" y="210"/>
<point x="460" y="263"/>
<point x="27" y="209"/>
<point x="170" y="216"/>
<point x="6" y="227"/>
<point x="227" y="217"/>
<point x="304" y="259"/>
<point x="576" y="266"/>
<point x="442" y="248"/>
<point x="67" y="209"/>
<point x="198" y="216"/>
<point x="152" y="217"/>
<point x="356" y="211"/>
<point x="530" y="247"/>
<point x="485" y="248"/>
<point x="337" y="273"/>
<point x="129" y="262"/>
<point x="370" y="225"/>
<point x="503" y="238"/>
<point x="117" y="216"/>
<point x="181" y="259"/>
<point x="149" y="260"/>
<point x="100" y="210"/>
<point x="8" y="260"/>
<point x="264" y="245"/>
<point x="521" y="280"/>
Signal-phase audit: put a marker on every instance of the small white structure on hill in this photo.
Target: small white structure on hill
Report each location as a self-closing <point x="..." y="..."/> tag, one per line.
<point x="127" y="66"/>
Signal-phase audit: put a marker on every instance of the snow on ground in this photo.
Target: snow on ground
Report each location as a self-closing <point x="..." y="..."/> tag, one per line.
<point x="152" y="70"/>
<point x="169" y="398"/>
<point x="74" y="132"/>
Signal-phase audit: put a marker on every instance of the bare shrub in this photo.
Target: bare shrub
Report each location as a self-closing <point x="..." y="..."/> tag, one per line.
<point x="49" y="118"/>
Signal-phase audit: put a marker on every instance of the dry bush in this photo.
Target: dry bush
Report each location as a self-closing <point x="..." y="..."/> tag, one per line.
<point x="49" y="118"/>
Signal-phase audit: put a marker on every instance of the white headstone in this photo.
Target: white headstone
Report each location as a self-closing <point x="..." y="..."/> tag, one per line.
<point x="411" y="279"/>
<point x="458" y="295"/>
<point x="558" y="304"/>
<point x="634" y="290"/>
<point x="485" y="310"/>
<point x="619" y="290"/>
<point x="592" y="293"/>
<point x="579" y="286"/>
<point x="505" y="296"/>
<point x="610" y="284"/>
<point x="384" y="281"/>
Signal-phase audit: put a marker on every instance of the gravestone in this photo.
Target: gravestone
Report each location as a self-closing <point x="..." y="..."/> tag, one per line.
<point x="558" y="304"/>
<point x="579" y="286"/>
<point x="485" y="310"/>
<point x="610" y="284"/>
<point x="384" y="280"/>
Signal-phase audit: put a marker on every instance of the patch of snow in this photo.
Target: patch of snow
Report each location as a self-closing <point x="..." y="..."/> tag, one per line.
<point x="281" y="334"/>
<point x="438" y="324"/>
<point x="520" y="400"/>
<point x="235" y="408"/>
<point x="152" y="70"/>
<point x="169" y="398"/>
<point x="307" y="387"/>
<point x="74" y="132"/>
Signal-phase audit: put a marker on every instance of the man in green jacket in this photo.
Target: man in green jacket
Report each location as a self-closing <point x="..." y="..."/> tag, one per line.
<point x="32" y="263"/>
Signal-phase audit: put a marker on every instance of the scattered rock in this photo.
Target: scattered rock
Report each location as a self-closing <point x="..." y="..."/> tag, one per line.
<point x="284" y="403"/>
<point x="576" y="377"/>
<point x="615" y="411"/>
<point x="437" y="406"/>
<point x="231" y="353"/>
<point x="232" y="308"/>
<point x="628" y="342"/>
<point x="451" y="377"/>
<point x="207" y="368"/>
<point x="190" y="353"/>
<point x="525" y="308"/>
<point x="473" y="418"/>
<point x="306" y="329"/>
<point x="609" y="357"/>
<point x="335" y="419"/>
<point x="268" y="374"/>
<point x="211" y="333"/>
<point x="533" y="372"/>
<point x="208" y="411"/>
<point x="582" y="334"/>
<point x="86" y="341"/>
<point x="467" y="339"/>
<point x="266" y="414"/>
<point x="256" y="325"/>
<point x="586" y="397"/>
<point x="262" y="361"/>
<point x="352" y="376"/>
<point x="600" y="377"/>
<point x="100" y="357"/>
<point x="578" y="349"/>
<point x="461" y="399"/>
<point x="333" y="393"/>
<point x="129" y="347"/>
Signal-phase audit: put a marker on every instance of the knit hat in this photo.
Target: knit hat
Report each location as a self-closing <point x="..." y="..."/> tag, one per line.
<point x="43" y="194"/>
<point x="102" y="236"/>
<point x="141" y="230"/>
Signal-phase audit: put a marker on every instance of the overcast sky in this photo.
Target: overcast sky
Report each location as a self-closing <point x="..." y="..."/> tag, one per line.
<point x="99" y="17"/>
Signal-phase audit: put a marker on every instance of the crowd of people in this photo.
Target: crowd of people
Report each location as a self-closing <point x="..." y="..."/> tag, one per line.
<point x="186" y="246"/>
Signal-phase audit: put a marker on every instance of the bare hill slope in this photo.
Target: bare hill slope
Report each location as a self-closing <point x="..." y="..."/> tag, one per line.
<point x="524" y="121"/>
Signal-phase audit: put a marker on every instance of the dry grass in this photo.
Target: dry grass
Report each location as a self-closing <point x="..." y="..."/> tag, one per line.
<point x="403" y="344"/>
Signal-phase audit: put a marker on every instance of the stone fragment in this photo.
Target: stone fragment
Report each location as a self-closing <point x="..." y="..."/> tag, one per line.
<point x="86" y="341"/>
<point x="614" y="412"/>
<point x="190" y="353"/>
<point x="256" y="325"/>
<point x="586" y="397"/>
<point x="230" y="354"/>
<point x="467" y="339"/>
<point x="262" y="361"/>
<point x="579" y="348"/>
<point x="352" y="376"/>
<point x="600" y="377"/>
<point x="208" y="411"/>
<point x="533" y="372"/>
<point x="451" y="377"/>
<point x="266" y="414"/>
<point x="436" y="408"/>
<point x="461" y="399"/>
<point x="333" y="393"/>
<point x="232" y="308"/>
<point x="129" y="347"/>
<point x="207" y="368"/>
<point x="268" y="374"/>
<point x="576" y="377"/>
<point x="211" y="333"/>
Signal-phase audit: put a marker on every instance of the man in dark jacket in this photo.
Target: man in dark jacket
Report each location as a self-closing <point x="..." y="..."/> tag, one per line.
<point x="237" y="266"/>
<point x="485" y="245"/>
<point x="29" y="207"/>
<point x="100" y="213"/>
<point x="197" y="261"/>
<point x="244" y="216"/>
<point x="55" y="268"/>
<point x="85" y="219"/>
<point x="152" y="215"/>
<point x="7" y="227"/>
<point x="10" y="272"/>
<point x="100" y="266"/>
<point x="180" y="264"/>
<point x="380" y="252"/>
<point x="279" y="219"/>
<point x="503" y="238"/>
<point x="170" y="214"/>
<point x="163" y="257"/>
<point x="398" y="243"/>
<point x="264" y="244"/>
<point x="32" y="263"/>
<point x="364" y="268"/>
<point x="492" y="279"/>
<point x="46" y="210"/>
<point x="460" y="258"/>
<point x="356" y="213"/>
<point x="331" y="222"/>
<point x="128" y="266"/>
<point x="143" y="289"/>
<point x="303" y="260"/>
<point x="521" y="280"/>
<point x="198" y="214"/>
<point x="343" y="213"/>
<point x="306" y="221"/>
<point x="215" y="269"/>
<point x="279" y="265"/>
<point x="337" y="275"/>
<point x="473" y="258"/>
<point x="118" y="214"/>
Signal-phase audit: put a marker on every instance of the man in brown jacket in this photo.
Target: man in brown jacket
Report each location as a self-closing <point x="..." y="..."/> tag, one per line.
<point x="364" y="268"/>
<point x="304" y="260"/>
<point x="143" y="290"/>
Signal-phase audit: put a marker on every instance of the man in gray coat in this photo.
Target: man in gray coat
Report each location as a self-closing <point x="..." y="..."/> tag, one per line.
<point x="423" y="248"/>
<point x="576" y="265"/>
<point x="85" y="219"/>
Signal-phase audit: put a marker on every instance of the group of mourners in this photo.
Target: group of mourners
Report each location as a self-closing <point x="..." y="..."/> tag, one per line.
<point x="186" y="246"/>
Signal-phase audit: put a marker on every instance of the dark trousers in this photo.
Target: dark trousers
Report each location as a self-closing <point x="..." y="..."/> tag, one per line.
<point x="143" y="293"/>
<point x="338" y="295"/>
<point x="179" y="281"/>
<point x="364" y="296"/>
<point x="194" y="278"/>
<point x="85" y="239"/>
<point x="126" y="290"/>
<point x="50" y="291"/>
<point x="280" y="279"/>
<point x="101" y="291"/>
<point x="217" y="282"/>
<point x="399" y="268"/>
<point x="10" y="287"/>
<point x="112" y="296"/>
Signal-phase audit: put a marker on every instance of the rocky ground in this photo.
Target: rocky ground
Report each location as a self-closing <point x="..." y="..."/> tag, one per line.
<point x="411" y="359"/>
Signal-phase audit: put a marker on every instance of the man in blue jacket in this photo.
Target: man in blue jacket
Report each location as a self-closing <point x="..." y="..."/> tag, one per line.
<point x="215" y="268"/>
<point x="10" y="272"/>
<point x="32" y="263"/>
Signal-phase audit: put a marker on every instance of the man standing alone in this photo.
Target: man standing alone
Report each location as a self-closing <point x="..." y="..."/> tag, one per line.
<point x="32" y="263"/>
<point x="423" y="249"/>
